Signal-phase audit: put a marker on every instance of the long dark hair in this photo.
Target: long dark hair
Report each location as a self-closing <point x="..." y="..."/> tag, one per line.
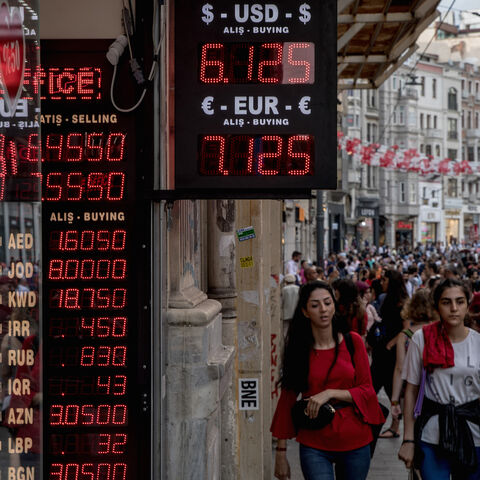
<point x="450" y="283"/>
<point x="300" y="341"/>
<point x="392" y="304"/>
<point x="348" y="303"/>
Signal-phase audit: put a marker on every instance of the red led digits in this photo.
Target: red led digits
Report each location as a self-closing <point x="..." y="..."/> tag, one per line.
<point x="69" y="83"/>
<point x="102" y="327"/>
<point x="212" y="63"/>
<point x="104" y="385"/>
<point x="300" y="155"/>
<point x="245" y="155"/>
<point x="88" y="240"/>
<point x="305" y="64"/>
<point x="103" y="356"/>
<point x="88" y="415"/>
<point x="77" y="147"/>
<point x="241" y="64"/>
<point x="87" y="269"/>
<point x="257" y="63"/>
<point x="272" y="149"/>
<point x="32" y="148"/>
<point x="108" y="387"/>
<point x="242" y="154"/>
<point x="115" y="186"/>
<point x="74" y="147"/>
<point x="74" y="186"/>
<point x="94" y="147"/>
<point x="115" y="147"/>
<point x="88" y="471"/>
<point x="273" y="66"/>
<point x="8" y="162"/>
<point x="112" y="443"/>
<point x="53" y="147"/>
<point x="89" y="298"/>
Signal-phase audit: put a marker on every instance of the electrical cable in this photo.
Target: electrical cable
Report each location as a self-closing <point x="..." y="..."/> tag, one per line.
<point x="134" y="65"/>
<point x="388" y="124"/>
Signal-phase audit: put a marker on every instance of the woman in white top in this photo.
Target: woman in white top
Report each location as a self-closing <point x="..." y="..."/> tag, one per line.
<point x="445" y="438"/>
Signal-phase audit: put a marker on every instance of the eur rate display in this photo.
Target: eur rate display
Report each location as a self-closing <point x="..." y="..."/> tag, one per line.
<point x="96" y="420"/>
<point x="255" y="96"/>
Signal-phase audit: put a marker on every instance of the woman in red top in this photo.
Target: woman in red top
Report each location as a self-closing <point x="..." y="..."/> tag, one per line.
<point x="318" y="364"/>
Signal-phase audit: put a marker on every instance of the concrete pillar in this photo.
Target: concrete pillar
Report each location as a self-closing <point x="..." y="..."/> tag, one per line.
<point x="198" y="364"/>
<point x="222" y="287"/>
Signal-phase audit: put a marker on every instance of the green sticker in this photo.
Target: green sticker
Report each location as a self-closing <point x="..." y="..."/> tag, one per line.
<point x="245" y="234"/>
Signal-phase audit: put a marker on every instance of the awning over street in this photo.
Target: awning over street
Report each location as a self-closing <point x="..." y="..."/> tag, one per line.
<point x="374" y="37"/>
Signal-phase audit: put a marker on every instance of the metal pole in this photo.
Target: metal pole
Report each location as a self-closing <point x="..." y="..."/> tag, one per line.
<point x="320" y="229"/>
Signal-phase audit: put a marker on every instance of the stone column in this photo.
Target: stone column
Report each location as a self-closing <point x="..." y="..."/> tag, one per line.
<point x="222" y="287"/>
<point x="198" y="364"/>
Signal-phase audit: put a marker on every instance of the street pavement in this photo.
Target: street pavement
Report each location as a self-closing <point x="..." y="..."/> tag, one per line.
<point x="385" y="463"/>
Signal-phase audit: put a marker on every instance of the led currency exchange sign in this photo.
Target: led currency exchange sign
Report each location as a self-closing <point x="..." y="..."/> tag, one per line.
<point x="96" y="347"/>
<point x="255" y="95"/>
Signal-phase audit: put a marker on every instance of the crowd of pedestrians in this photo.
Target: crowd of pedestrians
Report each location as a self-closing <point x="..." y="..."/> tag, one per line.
<point x="407" y="322"/>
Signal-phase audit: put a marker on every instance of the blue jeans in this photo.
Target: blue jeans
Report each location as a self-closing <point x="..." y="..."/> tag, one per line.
<point x="318" y="464"/>
<point x="436" y="467"/>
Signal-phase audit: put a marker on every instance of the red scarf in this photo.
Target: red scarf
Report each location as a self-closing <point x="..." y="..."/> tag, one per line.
<point x="438" y="351"/>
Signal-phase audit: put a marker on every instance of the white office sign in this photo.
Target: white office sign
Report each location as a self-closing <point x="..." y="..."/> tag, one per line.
<point x="248" y="394"/>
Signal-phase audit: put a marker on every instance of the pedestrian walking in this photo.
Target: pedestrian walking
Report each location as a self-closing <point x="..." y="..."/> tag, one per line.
<point x="289" y="299"/>
<point x="418" y="312"/>
<point x="442" y="362"/>
<point x="318" y="363"/>
<point x="384" y="350"/>
<point x="350" y="309"/>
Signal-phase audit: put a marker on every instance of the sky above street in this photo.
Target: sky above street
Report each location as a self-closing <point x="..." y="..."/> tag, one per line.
<point x="460" y="5"/>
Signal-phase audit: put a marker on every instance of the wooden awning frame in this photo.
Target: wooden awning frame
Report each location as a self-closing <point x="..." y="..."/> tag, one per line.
<point x="375" y="37"/>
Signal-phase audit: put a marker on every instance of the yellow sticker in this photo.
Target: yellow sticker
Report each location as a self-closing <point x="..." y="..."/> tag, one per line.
<point x="246" y="262"/>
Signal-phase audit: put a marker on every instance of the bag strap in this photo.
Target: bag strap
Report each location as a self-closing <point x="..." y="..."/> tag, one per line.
<point x="350" y="346"/>
<point x="408" y="332"/>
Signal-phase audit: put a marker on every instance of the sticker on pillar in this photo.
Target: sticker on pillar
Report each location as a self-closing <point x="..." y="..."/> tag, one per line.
<point x="246" y="233"/>
<point x="246" y="262"/>
<point x="248" y="394"/>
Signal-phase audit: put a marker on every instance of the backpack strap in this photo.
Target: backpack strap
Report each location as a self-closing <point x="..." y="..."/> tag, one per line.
<point x="350" y="346"/>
